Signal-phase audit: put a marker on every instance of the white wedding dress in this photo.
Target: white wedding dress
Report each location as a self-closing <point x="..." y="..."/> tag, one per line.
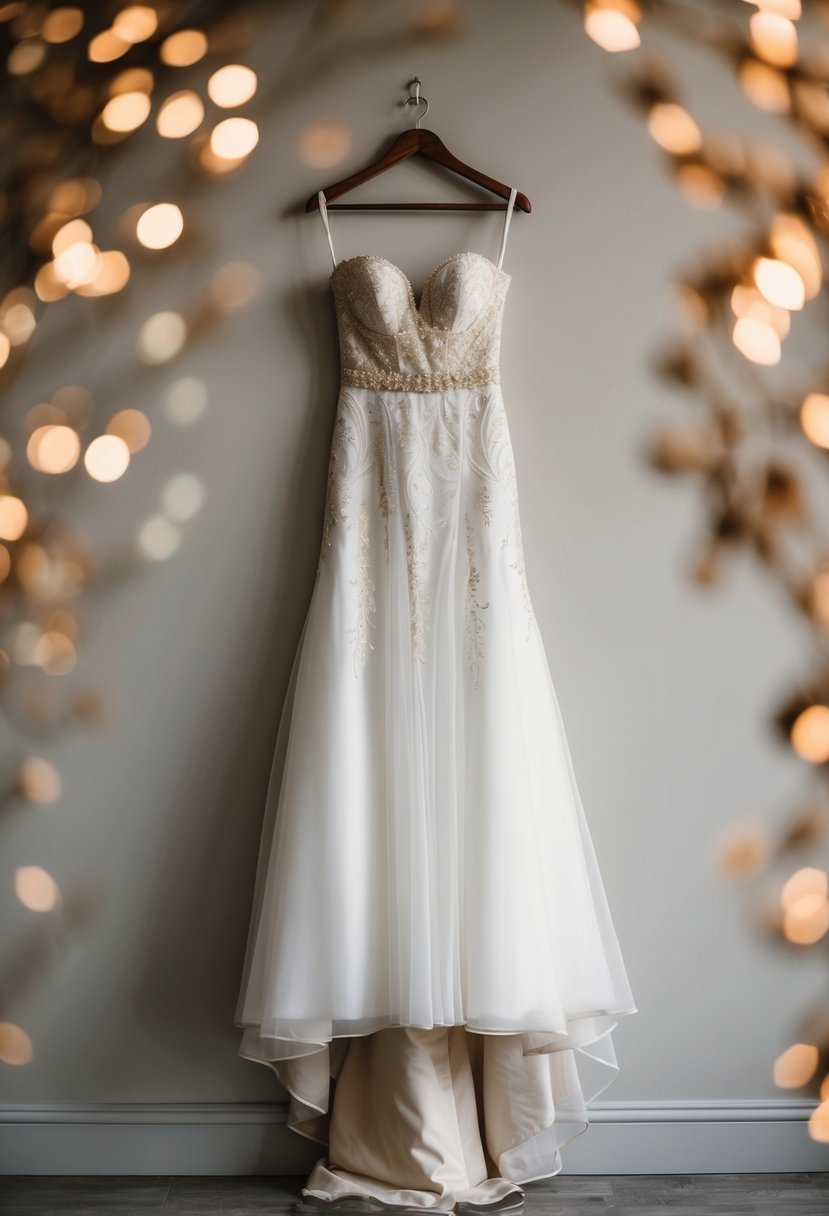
<point x="429" y="926"/>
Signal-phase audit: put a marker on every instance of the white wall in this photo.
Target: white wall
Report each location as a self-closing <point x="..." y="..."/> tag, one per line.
<point x="664" y="688"/>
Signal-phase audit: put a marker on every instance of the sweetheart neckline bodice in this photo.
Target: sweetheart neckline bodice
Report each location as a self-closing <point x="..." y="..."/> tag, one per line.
<point x="415" y="306"/>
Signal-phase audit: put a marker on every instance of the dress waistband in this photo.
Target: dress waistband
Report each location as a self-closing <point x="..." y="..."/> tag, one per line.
<point x="417" y="382"/>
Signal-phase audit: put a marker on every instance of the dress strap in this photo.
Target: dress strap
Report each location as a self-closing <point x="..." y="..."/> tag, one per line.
<point x="507" y="218"/>
<point x="324" y="214"/>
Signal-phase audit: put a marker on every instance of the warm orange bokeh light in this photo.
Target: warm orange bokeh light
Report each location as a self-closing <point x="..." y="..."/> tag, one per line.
<point x="15" y="1044"/>
<point x="53" y="449"/>
<point x="757" y="341"/>
<point x="126" y="112"/>
<point x="106" y="458"/>
<point x="160" y="226"/>
<point x="232" y="85"/>
<point x="808" y="880"/>
<point x="132" y="426"/>
<point x="810" y="734"/>
<point x="767" y="87"/>
<point x="13" y="517"/>
<point x="180" y="115"/>
<point x="39" y="780"/>
<point x="796" y="1065"/>
<point x="61" y="24"/>
<point x="779" y="283"/>
<point x="135" y="23"/>
<point x="814" y="418"/>
<point x="774" y="38"/>
<point x="36" y="888"/>
<point x="612" y="24"/>
<point x="183" y="48"/>
<point x="323" y="144"/>
<point x="234" y="138"/>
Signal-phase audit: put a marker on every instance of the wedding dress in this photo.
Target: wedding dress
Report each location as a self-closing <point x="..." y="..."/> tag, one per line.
<point x="430" y="941"/>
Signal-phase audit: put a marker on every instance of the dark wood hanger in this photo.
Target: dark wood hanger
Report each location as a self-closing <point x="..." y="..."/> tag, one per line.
<point x="407" y="144"/>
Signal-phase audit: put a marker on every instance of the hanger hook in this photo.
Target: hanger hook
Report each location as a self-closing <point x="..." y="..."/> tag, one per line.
<point x="416" y="100"/>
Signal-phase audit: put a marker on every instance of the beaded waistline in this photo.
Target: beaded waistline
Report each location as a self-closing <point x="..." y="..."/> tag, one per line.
<point x="417" y="382"/>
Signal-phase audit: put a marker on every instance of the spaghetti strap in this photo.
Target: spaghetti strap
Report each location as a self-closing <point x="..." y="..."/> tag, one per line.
<point x="324" y="214"/>
<point x="507" y="218"/>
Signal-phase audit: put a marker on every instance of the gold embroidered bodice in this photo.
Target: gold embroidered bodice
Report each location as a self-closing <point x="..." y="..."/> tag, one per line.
<point x="452" y="340"/>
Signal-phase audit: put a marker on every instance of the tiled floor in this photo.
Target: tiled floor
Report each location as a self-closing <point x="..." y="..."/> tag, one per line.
<point x="564" y="1195"/>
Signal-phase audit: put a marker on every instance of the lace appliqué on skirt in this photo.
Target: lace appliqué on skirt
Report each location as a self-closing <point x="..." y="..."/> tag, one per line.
<point x="443" y="460"/>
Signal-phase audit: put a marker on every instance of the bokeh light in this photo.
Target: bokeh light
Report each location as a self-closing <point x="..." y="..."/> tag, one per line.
<point x="185" y="400"/>
<point x="232" y="85"/>
<point x="674" y="129"/>
<point x="810" y="734"/>
<point x="180" y="115"/>
<point x="36" y="888"/>
<point x="161" y="337"/>
<point x="135" y="23"/>
<point x="183" y="48"/>
<point x="133" y="426"/>
<point x="15" y="1044"/>
<point x="53" y="448"/>
<point x="13" y="517"/>
<point x="757" y="341"/>
<point x="612" y="24"/>
<point x="62" y="24"/>
<point x="774" y="38"/>
<point x="814" y="418"/>
<point x="106" y="458"/>
<point x="126" y="111"/>
<point x="323" y="144"/>
<point x="39" y="780"/>
<point x="796" y="1066"/>
<point x="779" y="283"/>
<point x="183" y="497"/>
<point x="158" y="539"/>
<point x="160" y="226"/>
<point x="234" y="138"/>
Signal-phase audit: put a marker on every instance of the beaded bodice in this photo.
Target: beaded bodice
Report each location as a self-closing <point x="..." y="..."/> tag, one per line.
<point x="451" y="340"/>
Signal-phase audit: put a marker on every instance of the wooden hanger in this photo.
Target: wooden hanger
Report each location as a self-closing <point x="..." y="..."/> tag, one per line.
<point x="407" y="144"/>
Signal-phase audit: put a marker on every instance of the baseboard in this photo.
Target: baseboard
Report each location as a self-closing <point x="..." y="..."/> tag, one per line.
<point x="253" y="1138"/>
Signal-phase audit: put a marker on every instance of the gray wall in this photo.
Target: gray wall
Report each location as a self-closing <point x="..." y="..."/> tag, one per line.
<point x="664" y="687"/>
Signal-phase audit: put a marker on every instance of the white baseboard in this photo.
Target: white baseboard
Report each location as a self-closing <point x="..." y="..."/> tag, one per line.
<point x="253" y="1138"/>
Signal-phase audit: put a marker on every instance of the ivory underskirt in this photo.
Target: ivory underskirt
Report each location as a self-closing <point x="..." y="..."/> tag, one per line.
<point x="427" y="1118"/>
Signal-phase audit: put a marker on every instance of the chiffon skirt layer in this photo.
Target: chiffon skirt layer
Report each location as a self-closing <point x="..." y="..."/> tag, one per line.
<point x="425" y="866"/>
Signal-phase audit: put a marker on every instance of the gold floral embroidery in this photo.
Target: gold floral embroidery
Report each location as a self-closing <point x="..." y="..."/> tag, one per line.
<point x="484" y="504"/>
<point x="337" y="492"/>
<point x="518" y="549"/>
<point x="387" y="480"/>
<point x="490" y="456"/>
<point x="349" y="458"/>
<point x="419" y="600"/>
<point x="415" y="457"/>
<point x="473" y="641"/>
<point x="366" y="604"/>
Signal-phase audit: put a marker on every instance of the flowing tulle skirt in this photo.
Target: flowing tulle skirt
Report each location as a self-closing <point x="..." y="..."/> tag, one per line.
<point x="425" y="867"/>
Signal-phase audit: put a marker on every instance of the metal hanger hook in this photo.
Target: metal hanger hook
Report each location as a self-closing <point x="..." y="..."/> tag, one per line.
<point x="416" y="100"/>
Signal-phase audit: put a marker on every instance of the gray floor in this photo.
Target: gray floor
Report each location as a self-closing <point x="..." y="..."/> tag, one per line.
<point x="565" y="1195"/>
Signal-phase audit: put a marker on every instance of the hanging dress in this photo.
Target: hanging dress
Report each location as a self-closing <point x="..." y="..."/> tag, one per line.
<point x="431" y="970"/>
